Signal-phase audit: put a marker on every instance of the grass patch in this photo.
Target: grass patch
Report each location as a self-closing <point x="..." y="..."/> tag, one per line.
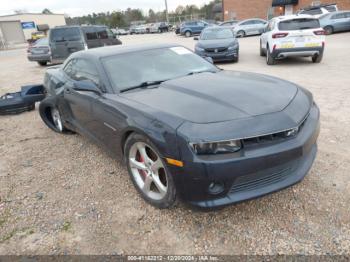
<point x="66" y="226"/>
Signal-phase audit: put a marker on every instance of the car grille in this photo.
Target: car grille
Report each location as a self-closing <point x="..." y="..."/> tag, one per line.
<point x="216" y="50"/>
<point x="274" y="137"/>
<point x="256" y="181"/>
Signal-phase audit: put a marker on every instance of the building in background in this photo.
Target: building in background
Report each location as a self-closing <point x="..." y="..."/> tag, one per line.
<point x="18" y="28"/>
<point x="265" y="9"/>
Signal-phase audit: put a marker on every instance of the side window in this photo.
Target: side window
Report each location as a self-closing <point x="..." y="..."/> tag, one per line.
<point x="259" y="22"/>
<point x="347" y="15"/>
<point x="68" y="69"/>
<point x="200" y="24"/>
<point x="81" y="69"/>
<point x="338" y="16"/>
<point x="248" y="23"/>
<point x="90" y="33"/>
<point x="102" y="33"/>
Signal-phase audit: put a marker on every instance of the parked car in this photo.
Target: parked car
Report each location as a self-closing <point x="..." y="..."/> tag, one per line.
<point x="138" y="29"/>
<point x="184" y="128"/>
<point x="122" y="31"/>
<point x="192" y="28"/>
<point x="37" y="35"/>
<point x="159" y="27"/>
<point x="40" y="51"/>
<point x="318" y="10"/>
<point x="295" y="35"/>
<point x="247" y="27"/>
<point x="229" y="23"/>
<point x="219" y="43"/>
<point x="335" y="22"/>
<point x="64" y="40"/>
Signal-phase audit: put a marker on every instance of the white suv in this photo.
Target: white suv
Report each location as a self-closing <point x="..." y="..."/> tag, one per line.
<point x="318" y="10"/>
<point x="294" y="35"/>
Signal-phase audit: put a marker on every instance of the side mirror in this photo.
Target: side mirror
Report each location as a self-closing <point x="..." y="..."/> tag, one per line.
<point x="209" y="59"/>
<point x="88" y="86"/>
<point x="196" y="38"/>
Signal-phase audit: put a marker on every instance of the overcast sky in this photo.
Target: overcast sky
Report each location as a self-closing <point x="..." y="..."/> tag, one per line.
<point x="79" y="7"/>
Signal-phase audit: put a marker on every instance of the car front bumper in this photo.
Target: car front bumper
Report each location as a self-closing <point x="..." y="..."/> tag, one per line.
<point x="252" y="173"/>
<point x="220" y="56"/>
<point x="280" y="53"/>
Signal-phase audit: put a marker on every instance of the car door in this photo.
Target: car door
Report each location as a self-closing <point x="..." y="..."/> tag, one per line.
<point x="78" y="109"/>
<point x="248" y="27"/>
<point x="65" y="41"/>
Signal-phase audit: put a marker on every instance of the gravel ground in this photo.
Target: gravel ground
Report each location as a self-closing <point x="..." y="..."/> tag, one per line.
<point x="61" y="194"/>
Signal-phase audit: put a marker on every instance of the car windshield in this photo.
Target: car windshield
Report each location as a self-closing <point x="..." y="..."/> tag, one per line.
<point x="299" y="24"/>
<point x="216" y="33"/>
<point x="132" y="69"/>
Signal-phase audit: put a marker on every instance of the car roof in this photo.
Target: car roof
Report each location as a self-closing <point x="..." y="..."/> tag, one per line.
<point x="97" y="53"/>
<point x="289" y="17"/>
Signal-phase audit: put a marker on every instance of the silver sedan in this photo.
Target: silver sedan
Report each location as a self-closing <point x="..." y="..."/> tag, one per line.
<point x="253" y="26"/>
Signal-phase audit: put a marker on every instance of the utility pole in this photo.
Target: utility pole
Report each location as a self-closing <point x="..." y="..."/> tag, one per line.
<point x="166" y="11"/>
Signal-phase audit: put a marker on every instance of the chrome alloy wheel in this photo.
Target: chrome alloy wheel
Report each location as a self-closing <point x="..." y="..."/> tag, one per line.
<point x="148" y="171"/>
<point x="56" y="117"/>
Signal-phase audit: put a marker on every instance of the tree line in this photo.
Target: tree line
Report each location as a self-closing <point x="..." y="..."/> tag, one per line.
<point x="124" y="18"/>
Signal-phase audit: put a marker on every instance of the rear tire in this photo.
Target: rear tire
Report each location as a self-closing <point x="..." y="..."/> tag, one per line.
<point x="317" y="58"/>
<point x="270" y="60"/>
<point x="149" y="172"/>
<point x="42" y="63"/>
<point x="328" y="30"/>
<point x="188" y="34"/>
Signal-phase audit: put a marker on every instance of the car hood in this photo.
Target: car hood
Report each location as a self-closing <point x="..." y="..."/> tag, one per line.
<point x="216" y="43"/>
<point x="217" y="97"/>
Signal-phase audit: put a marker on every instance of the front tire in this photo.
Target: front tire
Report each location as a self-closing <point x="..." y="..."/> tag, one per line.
<point x="51" y="116"/>
<point x="241" y="33"/>
<point x="262" y="52"/>
<point x="42" y="63"/>
<point x="149" y="172"/>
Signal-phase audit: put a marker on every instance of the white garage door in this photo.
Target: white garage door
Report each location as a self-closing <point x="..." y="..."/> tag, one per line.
<point x="12" y="32"/>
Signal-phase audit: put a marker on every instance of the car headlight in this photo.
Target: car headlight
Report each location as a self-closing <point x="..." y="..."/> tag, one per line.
<point x="222" y="147"/>
<point x="232" y="47"/>
<point x="199" y="49"/>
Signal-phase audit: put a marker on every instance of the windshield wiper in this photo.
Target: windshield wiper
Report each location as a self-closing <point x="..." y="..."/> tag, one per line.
<point x="143" y="85"/>
<point x="199" y="72"/>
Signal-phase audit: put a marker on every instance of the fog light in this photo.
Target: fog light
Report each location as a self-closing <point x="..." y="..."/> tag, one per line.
<point x="216" y="188"/>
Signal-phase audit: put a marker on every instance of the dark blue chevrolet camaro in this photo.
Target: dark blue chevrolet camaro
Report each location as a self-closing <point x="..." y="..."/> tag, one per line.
<point x="185" y="128"/>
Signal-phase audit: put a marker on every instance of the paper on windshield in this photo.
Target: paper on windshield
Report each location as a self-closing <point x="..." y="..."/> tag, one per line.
<point x="180" y="50"/>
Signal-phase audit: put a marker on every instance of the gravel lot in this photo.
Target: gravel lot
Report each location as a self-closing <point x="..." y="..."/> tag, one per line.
<point x="61" y="194"/>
